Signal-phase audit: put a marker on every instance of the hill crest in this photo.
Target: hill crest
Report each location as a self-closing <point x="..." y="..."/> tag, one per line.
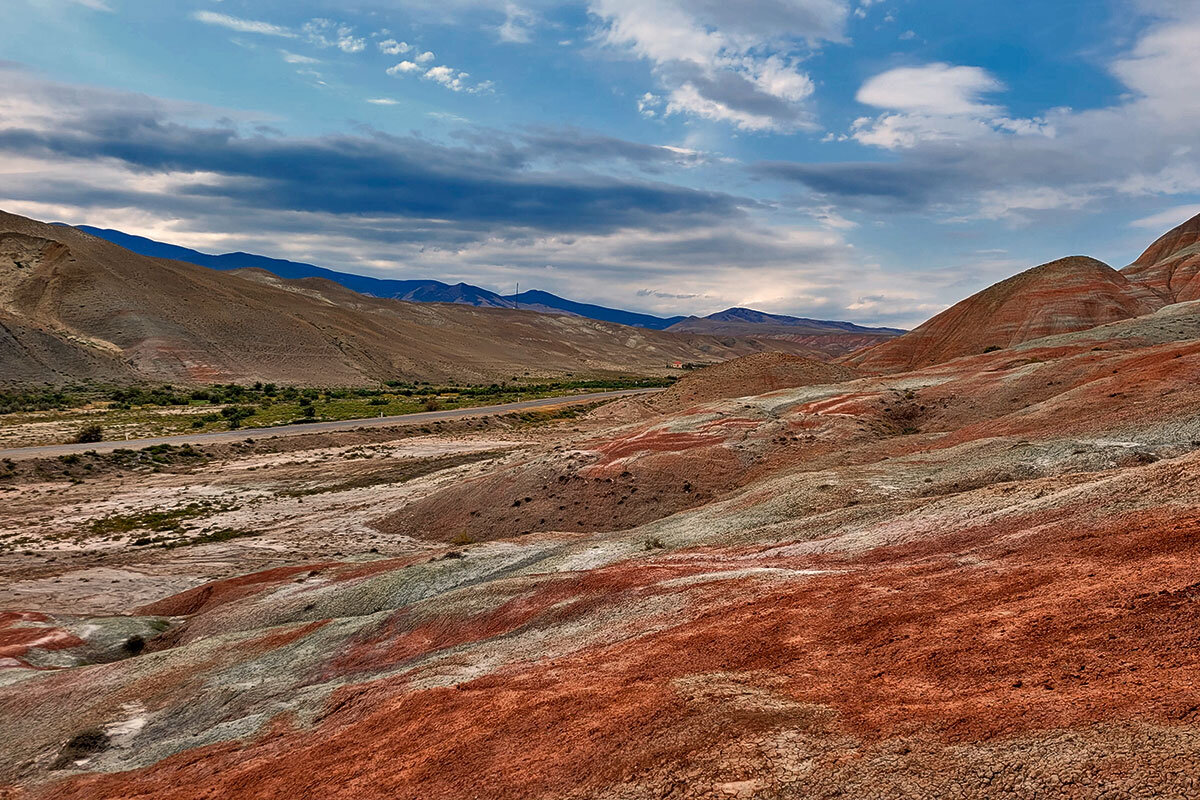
<point x="1061" y="296"/>
<point x="1171" y="265"/>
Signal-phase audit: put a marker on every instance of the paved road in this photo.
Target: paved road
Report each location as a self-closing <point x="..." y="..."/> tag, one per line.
<point x="55" y="450"/>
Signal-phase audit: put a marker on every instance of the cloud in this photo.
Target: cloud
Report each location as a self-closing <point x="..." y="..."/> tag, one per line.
<point x="962" y="156"/>
<point x="328" y="33"/>
<point x="446" y="116"/>
<point x="423" y="58"/>
<point x="95" y="5"/>
<point x="518" y="24"/>
<point x="666" y="295"/>
<point x="403" y="68"/>
<point x="488" y="209"/>
<point x="449" y="77"/>
<point x="294" y="58"/>
<point x="470" y="191"/>
<point x="242" y="25"/>
<point x="1168" y="218"/>
<point x="394" y="48"/>
<point x="383" y="101"/>
<point x="931" y="89"/>
<point x="731" y="62"/>
<point x="567" y="146"/>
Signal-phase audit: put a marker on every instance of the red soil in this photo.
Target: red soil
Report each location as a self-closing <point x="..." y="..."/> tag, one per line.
<point x="1086" y="621"/>
<point x="232" y="590"/>
<point x="1171" y="266"/>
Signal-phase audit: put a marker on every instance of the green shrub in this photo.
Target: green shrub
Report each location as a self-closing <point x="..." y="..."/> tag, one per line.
<point x="90" y="433"/>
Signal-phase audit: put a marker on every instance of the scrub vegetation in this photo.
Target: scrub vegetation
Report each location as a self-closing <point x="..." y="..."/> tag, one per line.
<point x="80" y="412"/>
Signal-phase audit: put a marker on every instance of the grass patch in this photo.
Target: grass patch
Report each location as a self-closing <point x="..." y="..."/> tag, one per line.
<point x="155" y="520"/>
<point x="166" y="410"/>
<point x="183" y="540"/>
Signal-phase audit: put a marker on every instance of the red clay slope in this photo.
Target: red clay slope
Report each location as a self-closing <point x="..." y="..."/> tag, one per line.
<point x="1171" y="266"/>
<point x="1071" y="294"/>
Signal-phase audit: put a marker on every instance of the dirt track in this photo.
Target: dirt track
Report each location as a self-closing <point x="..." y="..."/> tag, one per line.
<point x="54" y="450"/>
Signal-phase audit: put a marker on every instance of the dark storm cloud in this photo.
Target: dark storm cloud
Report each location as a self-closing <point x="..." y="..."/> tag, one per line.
<point x="571" y="145"/>
<point x="484" y="184"/>
<point x="376" y="175"/>
<point x="902" y="185"/>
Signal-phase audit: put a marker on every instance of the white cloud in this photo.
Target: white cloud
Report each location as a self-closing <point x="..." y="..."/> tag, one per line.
<point x="383" y="101"/>
<point x="242" y="25"/>
<point x="518" y="24"/>
<point x="446" y="116"/>
<point x="394" y="48"/>
<point x="1167" y="219"/>
<point x="1018" y="203"/>
<point x="423" y="58"/>
<point x="327" y="33"/>
<point x="649" y="105"/>
<point x="94" y="5"/>
<point x="443" y="75"/>
<point x="403" y="68"/>
<point x="449" y="77"/>
<point x="1162" y="67"/>
<point x="932" y="89"/>
<point x="863" y="5"/>
<point x="456" y="80"/>
<point x="295" y="58"/>
<point x="734" y="62"/>
<point x="935" y="102"/>
<point x="965" y="156"/>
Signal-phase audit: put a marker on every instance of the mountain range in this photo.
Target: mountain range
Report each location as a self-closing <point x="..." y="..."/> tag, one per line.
<point x="74" y="306"/>
<point x="435" y="291"/>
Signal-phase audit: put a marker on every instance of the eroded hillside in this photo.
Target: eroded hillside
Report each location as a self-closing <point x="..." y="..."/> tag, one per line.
<point x="74" y="307"/>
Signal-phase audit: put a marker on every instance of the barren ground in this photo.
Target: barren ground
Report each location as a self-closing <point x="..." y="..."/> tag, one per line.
<point x="976" y="580"/>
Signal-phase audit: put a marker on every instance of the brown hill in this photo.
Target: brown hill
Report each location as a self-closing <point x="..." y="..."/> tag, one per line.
<point x="1070" y="294"/>
<point x="749" y="375"/>
<point x="73" y="306"/>
<point x="829" y="339"/>
<point x="1171" y="266"/>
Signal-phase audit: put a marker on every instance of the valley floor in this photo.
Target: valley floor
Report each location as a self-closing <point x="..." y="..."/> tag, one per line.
<point x="980" y="579"/>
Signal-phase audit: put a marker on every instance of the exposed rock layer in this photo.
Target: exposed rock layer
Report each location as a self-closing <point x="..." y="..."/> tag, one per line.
<point x="1171" y="266"/>
<point x="1070" y="294"/>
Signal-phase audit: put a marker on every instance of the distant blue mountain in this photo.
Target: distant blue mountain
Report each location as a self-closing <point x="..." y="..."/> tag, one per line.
<point x="752" y="317"/>
<point x="421" y="291"/>
<point x="432" y="291"/>
<point x="417" y="291"/>
<point x="537" y="299"/>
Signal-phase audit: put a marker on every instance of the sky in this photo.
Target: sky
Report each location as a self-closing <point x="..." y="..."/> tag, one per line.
<point x="865" y="160"/>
